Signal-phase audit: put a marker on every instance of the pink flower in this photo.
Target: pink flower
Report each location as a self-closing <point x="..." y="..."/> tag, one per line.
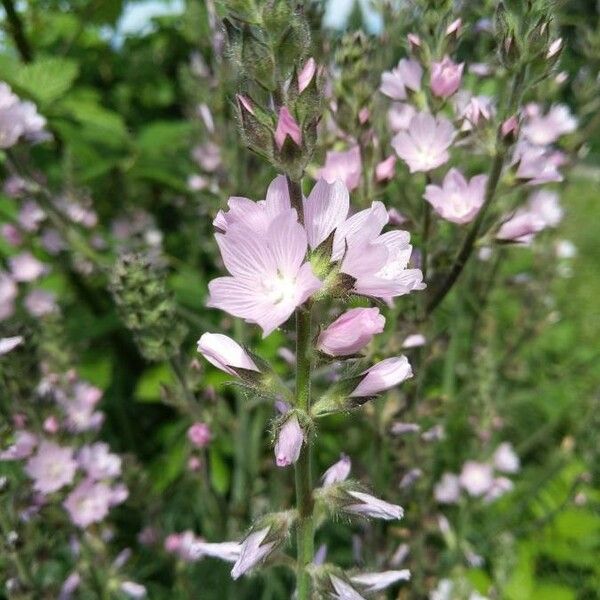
<point x="133" y="589"/>
<point x="79" y="407"/>
<point x="8" y="344"/>
<point x="289" y="442"/>
<point x="306" y="74"/>
<point x="400" y="115"/>
<point x="506" y="459"/>
<point x="269" y="277"/>
<point x="208" y="156"/>
<point x="385" y="169"/>
<point x="51" y="468"/>
<point x="377" y="582"/>
<point x="446" y="77"/>
<point x="339" y="471"/>
<point x="30" y="216"/>
<point x="227" y="551"/>
<point x="344" y="166"/>
<point x="199" y="434"/>
<point x="407" y="74"/>
<point x="254" y="549"/>
<point x="369" y="506"/>
<point x="510" y="126"/>
<point x="343" y="590"/>
<point x="424" y="146"/>
<point x="24" y="444"/>
<point x="476" y="478"/>
<point x="287" y="126"/>
<point x="381" y="377"/>
<point x="172" y="542"/>
<point x="457" y="200"/>
<point x="51" y="425"/>
<point x="473" y="109"/>
<point x="378" y="263"/>
<point x="416" y="340"/>
<point x="26" y="267"/>
<point x="351" y="332"/>
<point x="89" y="503"/>
<point x="454" y="27"/>
<point x="40" y="302"/>
<point x="225" y="353"/>
<point x="535" y="164"/>
<point x="542" y="130"/>
<point x="499" y="487"/>
<point x="447" y="491"/>
<point x="11" y="234"/>
<point x="98" y="462"/>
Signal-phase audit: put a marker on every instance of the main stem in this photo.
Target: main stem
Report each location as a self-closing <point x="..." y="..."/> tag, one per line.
<point x="304" y="499"/>
<point x="305" y="543"/>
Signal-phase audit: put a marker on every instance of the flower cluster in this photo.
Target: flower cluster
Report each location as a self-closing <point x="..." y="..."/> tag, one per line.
<point x="18" y="119"/>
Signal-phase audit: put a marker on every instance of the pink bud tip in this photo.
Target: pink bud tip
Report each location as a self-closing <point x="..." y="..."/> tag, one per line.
<point x="306" y="74"/>
<point x="287" y="126"/>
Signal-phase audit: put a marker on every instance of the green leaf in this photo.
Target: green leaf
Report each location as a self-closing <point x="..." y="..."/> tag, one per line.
<point x="44" y="80"/>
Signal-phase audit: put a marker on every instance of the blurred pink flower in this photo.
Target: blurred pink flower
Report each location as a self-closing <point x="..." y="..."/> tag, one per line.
<point x="208" y="156"/>
<point x="51" y="425"/>
<point x="424" y="146"/>
<point x="447" y="490"/>
<point x="351" y="332"/>
<point x="40" y="302"/>
<point x="542" y="130"/>
<point x="506" y="459"/>
<point x="289" y="442"/>
<point x="10" y="343"/>
<point x="535" y="164"/>
<point x="446" y="76"/>
<point x="199" y="434"/>
<point x="476" y="478"/>
<point x="89" y="503"/>
<point x="30" y="216"/>
<point x="377" y="582"/>
<point x="133" y="589"/>
<point x="499" y="487"/>
<point x="385" y="169"/>
<point x="26" y="267"/>
<point x="224" y="353"/>
<point x="344" y="166"/>
<point x="407" y="75"/>
<point x="457" y="200"/>
<point x="400" y="115"/>
<point x="51" y="468"/>
<point x="381" y="377"/>
<point x="287" y="126"/>
<point x="99" y="462"/>
<point x="343" y="590"/>
<point x="23" y="446"/>
<point x="416" y="340"/>
<point x="11" y="234"/>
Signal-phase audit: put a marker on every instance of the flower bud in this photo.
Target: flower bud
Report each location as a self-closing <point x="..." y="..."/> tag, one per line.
<point x="289" y="442"/>
<point x="446" y="77"/>
<point x="199" y="434"/>
<point x="339" y="471"/>
<point x="225" y="354"/>
<point x="384" y="171"/>
<point x="383" y="376"/>
<point x="351" y="332"/>
<point x="306" y="74"/>
<point x="287" y="127"/>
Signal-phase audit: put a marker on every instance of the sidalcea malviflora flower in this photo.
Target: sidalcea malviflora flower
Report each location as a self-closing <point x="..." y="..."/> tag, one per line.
<point x="267" y="252"/>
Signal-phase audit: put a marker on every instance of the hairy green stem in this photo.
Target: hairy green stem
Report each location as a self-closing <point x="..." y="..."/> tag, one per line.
<point x="304" y="499"/>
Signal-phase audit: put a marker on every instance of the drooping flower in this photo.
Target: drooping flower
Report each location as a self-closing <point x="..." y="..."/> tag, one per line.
<point x="542" y="130"/>
<point x="476" y="478"/>
<point x="10" y="343"/>
<point x="99" y="462"/>
<point x="457" y="200"/>
<point x="424" y="146"/>
<point x="227" y="551"/>
<point x="289" y="442"/>
<point x="506" y="459"/>
<point x="287" y="126"/>
<point x="351" y="332"/>
<point x="376" y="582"/>
<point x="269" y="277"/>
<point x="345" y="166"/>
<point x="407" y="75"/>
<point x="343" y="590"/>
<point x="383" y="376"/>
<point x="370" y="506"/>
<point x="337" y="472"/>
<point x="446" y="76"/>
<point x="225" y="353"/>
<point x="447" y="490"/>
<point x="51" y="467"/>
<point x="253" y="550"/>
<point x="199" y="434"/>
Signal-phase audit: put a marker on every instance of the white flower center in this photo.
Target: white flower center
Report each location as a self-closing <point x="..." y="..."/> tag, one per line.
<point x="280" y="289"/>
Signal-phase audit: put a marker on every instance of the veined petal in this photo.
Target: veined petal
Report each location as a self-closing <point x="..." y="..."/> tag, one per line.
<point x="325" y="210"/>
<point x="244" y="252"/>
<point x="287" y="242"/>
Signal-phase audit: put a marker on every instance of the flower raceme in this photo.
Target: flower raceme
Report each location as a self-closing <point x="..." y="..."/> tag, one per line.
<point x="276" y="263"/>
